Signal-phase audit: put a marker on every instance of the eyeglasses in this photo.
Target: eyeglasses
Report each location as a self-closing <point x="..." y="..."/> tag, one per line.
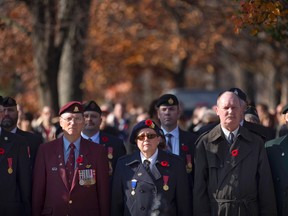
<point x="75" y="119"/>
<point x="149" y="136"/>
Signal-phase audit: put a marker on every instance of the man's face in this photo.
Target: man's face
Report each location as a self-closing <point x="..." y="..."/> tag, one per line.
<point x="92" y="120"/>
<point x="169" y="116"/>
<point x="229" y="110"/>
<point x="10" y="117"/>
<point x="72" y="123"/>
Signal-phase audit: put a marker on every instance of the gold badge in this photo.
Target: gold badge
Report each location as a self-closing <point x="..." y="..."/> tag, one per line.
<point x="165" y="187"/>
<point x="110" y="156"/>
<point x="170" y="101"/>
<point x="10" y="170"/>
<point x="76" y="109"/>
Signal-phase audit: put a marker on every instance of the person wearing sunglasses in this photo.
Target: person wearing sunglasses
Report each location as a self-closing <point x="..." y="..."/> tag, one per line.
<point x="150" y="181"/>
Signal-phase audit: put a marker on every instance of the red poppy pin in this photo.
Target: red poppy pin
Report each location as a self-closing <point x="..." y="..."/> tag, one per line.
<point x="2" y="151"/>
<point x="79" y="160"/>
<point x="184" y="148"/>
<point x="164" y="163"/>
<point x="104" y="139"/>
<point x="149" y="123"/>
<point x="235" y="152"/>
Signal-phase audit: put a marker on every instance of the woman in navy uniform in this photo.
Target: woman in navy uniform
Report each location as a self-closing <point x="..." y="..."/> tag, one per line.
<point x="150" y="181"/>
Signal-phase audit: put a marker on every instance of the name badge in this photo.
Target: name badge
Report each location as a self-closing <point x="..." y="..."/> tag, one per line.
<point x="87" y="177"/>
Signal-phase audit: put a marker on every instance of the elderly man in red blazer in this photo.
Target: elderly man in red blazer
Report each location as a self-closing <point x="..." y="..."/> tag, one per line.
<point x="71" y="173"/>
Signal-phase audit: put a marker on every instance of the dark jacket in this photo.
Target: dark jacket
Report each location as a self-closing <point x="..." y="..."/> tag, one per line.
<point x="150" y="197"/>
<point x="232" y="180"/>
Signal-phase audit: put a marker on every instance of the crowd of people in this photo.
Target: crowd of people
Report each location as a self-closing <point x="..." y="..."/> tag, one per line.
<point x="230" y="159"/>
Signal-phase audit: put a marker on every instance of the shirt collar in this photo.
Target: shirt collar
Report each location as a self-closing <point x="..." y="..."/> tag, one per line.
<point x="94" y="138"/>
<point x="227" y="132"/>
<point x="152" y="159"/>
<point x="174" y="132"/>
<point x="67" y="143"/>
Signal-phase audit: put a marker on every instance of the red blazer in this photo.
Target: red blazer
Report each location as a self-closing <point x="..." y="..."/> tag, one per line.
<point x="51" y="196"/>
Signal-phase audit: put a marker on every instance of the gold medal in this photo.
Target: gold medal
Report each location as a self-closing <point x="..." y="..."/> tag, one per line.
<point x="132" y="192"/>
<point x="189" y="165"/>
<point x="165" y="187"/>
<point x="10" y="170"/>
<point x="110" y="156"/>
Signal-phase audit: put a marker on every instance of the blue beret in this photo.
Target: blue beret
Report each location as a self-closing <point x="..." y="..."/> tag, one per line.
<point x="144" y="124"/>
<point x="167" y="100"/>
<point x="71" y="107"/>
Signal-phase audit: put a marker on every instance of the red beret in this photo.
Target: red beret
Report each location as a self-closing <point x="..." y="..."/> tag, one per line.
<point x="72" y="107"/>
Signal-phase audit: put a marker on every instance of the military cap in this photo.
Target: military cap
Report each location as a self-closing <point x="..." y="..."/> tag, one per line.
<point x="9" y="102"/>
<point x="144" y="124"/>
<point x="167" y="100"/>
<point x="285" y="109"/>
<point x="1" y="100"/>
<point x="71" y="107"/>
<point x="252" y="110"/>
<point x="92" y="106"/>
<point x="239" y="93"/>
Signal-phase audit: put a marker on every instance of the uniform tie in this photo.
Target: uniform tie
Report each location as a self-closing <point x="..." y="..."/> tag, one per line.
<point x="169" y="142"/>
<point x="231" y="138"/>
<point x="146" y="164"/>
<point x="90" y="139"/>
<point x="70" y="164"/>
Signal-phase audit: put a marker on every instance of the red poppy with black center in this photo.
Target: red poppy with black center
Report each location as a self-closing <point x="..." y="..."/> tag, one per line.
<point x="184" y="148"/>
<point x="79" y="160"/>
<point x="104" y="139"/>
<point x="235" y="153"/>
<point x="148" y="122"/>
<point x="164" y="163"/>
<point x="2" y="151"/>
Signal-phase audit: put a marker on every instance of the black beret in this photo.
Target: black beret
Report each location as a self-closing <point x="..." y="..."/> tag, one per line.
<point x="144" y="124"/>
<point x="167" y="100"/>
<point x="92" y="106"/>
<point x="1" y="100"/>
<point x="71" y="107"/>
<point x="9" y="102"/>
<point x="252" y="110"/>
<point x="239" y="93"/>
<point x="285" y="109"/>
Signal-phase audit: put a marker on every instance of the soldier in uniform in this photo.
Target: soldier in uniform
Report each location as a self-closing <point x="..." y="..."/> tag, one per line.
<point x="277" y="150"/>
<point x="178" y="141"/>
<point x="232" y="172"/>
<point x="115" y="146"/>
<point x="150" y="181"/>
<point x="71" y="173"/>
<point x="15" y="180"/>
<point x="9" y="123"/>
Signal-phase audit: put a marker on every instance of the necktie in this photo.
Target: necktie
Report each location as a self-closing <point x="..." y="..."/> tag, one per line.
<point x="146" y="164"/>
<point x="169" y="142"/>
<point x="231" y="138"/>
<point x="90" y="139"/>
<point x="70" y="164"/>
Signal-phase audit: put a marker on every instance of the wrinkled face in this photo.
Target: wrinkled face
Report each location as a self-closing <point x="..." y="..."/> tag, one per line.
<point x="169" y="116"/>
<point x="229" y="110"/>
<point x="10" y="117"/>
<point x="147" y="141"/>
<point x="92" y="120"/>
<point x="72" y="123"/>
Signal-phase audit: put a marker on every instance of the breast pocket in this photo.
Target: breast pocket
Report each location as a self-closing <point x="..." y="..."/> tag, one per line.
<point x="214" y="166"/>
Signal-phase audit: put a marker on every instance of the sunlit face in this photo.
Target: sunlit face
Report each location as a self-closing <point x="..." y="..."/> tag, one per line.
<point x="92" y="120"/>
<point x="147" y="141"/>
<point x="168" y="116"/>
<point x="10" y="117"/>
<point x="72" y="123"/>
<point x="229" y="110"/>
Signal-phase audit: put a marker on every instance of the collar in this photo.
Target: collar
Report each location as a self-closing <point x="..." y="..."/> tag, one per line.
<point x="152" y="159"/>
<point x="174" y="132"/>
<point x="94" y="138"/>
<point x="67" y="143"/>
<point x="14" y="130"/>
<point x="227" y="132"/>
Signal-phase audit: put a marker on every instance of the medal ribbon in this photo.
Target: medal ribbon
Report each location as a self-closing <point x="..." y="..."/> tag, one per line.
<point x="133" y="184"/>
<point x="9" y="163"/>
<point x="188" y="158"/>
<point x="110" y="151"/>
<point x="165" y="179"/>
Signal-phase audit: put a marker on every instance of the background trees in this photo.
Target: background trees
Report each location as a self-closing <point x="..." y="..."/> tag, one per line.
<point x="135" y="50"/>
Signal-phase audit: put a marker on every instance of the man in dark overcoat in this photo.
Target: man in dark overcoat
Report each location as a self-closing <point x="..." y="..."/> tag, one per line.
<point x="277" y="150"/>
<point x="71" y="173"/>
<point x="15" y="172"/>
<point x="232" y="173"/>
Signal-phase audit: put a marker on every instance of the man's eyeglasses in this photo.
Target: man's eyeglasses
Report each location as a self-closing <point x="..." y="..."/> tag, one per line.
<point x="149" y="136"/>
<point x="75" y="119"/>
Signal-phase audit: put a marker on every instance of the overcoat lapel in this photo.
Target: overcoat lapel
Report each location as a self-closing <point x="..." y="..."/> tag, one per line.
<point x="60" y="157"/>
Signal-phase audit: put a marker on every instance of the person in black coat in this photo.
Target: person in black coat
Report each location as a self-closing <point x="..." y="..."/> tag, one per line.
<point x="150" y="181"/>
<point x="9" y="123"/>
<point x="115" y="146"/>
<point x="15" y="172"/>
